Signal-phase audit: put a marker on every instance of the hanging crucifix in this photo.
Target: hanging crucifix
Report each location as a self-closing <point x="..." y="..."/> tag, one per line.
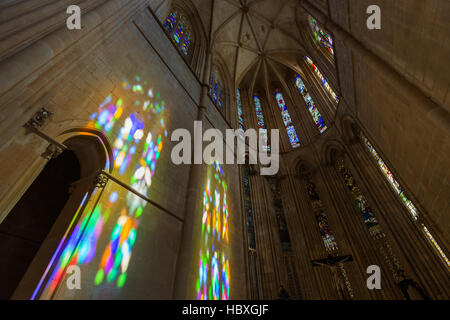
<point x="335" y="265"/>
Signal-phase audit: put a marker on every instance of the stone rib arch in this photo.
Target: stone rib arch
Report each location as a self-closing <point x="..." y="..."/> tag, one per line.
<point x="199" y="43"/>
<point x="331" y="150"/>
<point x="350" y="129"/>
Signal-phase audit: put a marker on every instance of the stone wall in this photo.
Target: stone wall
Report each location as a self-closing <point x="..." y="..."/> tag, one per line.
<point x="121" y="53"/>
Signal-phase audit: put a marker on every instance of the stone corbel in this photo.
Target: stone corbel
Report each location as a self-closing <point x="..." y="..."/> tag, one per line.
<point x="39" y="118"/>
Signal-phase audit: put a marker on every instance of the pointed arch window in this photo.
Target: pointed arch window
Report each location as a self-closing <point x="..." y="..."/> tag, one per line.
<point x="322" y="79"/>
<point x="317" y="117"/>
<point x="286" y="117"/>
<point x="398" y="190"/>
<point x="319" y="211"/>
<point x="178" y="29"/>
<point x="239" y="109"/>
<point x="216" y="88"/>
<point x="260" y="122"/>
<point x="320" y="36"/>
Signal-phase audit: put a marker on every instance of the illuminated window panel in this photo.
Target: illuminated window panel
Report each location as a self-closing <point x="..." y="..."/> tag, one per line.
<point x="283" y="230"/>
<point x="321" y="37"/>
<point x="292" y="134"/>
<point x="177" y="28"/>
<point x="213" y="281"/>
<point x="260" y="121"/>
<point x="248" y="206"/>
<point x="324" y="82"/>
<point x="186" y="44"/>
<point x="390" y="177"/>
<point x="239" y="109"/>
<point x="322" y="220"/>
<point x="216" y="88"/>
<point x="107" y="229"/>
<point x="171" y="21"/>
<point x="436" y="246"/>
<point x="401" y="194"/>
<point x="178" y="34"/>
<point x="317" y="117"/>
<point x="361" y="201"/>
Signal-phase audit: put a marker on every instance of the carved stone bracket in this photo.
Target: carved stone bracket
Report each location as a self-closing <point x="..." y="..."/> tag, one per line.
<point x="51" y="152"/>
<point x="101" y="181"/>
<point x="39" y="118"/>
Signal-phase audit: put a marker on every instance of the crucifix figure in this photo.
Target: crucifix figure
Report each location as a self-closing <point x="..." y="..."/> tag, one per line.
<point x="335" y="265"/>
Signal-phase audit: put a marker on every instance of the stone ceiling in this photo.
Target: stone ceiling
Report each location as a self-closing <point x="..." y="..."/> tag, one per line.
<point x="252" y="35"/>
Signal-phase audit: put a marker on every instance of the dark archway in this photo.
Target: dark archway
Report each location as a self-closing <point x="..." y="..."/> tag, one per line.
<point x="27" y="225"/>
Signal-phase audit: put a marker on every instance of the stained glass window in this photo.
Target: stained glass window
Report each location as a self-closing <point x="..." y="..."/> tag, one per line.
<point x="216" y="88"/>
<point x="178" y="30"/>
<point x="292" y="134"/>
<point x="361" y="201"/>
<point x="321" y="217"/>
<point x="320" y="36"/>
<point x="322" y="79"/>
<point x="317" y="117"/>
<point x="285" y="238"/>
<point x="239" y="110"/>
<point x="327" y="235"/>
<point x="213" y="281"/>
<point x="401" y="194"/>
<point x="283" y="231"/>
<point x="249" y="208"/>
<point x="260" y="121"/>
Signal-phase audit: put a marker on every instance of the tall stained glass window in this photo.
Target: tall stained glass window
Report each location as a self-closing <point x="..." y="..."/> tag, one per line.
<point x="322" y="79"/>
<point x="239" y="110"/>
<point x="216" y="88"/>
<point x="178" y="30"/>
<point x="285" y="239"/>
<point x="328" y="238"/>
<point x="213" y="281"/>
<point x="292" y="134"/>
<point x="321" y="36"/>
<point x="401" y="194"/>
<point x="249" y="208"/>
<point x="321" y="217"/>
<point x="317" y="117"/>
<point x="260" y="121"/>
<point x="361" y="201"/>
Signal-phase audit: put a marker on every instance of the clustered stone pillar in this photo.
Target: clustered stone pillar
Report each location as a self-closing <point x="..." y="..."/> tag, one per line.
<point x="192" y="215"/>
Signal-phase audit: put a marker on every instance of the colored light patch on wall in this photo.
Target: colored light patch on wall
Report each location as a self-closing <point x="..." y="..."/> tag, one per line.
<point x="80" y="247"/>
<point x="107" y="114"/>
<point x="317" y="117"/>
<point x="138" y="132"/>
<point x="213" y="281"/>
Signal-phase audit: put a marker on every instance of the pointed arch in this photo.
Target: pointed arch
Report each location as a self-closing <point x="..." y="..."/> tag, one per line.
<point x="184" y="28"/>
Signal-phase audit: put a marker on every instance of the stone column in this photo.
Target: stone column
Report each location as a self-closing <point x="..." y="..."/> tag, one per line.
<point x="192" y="216"/>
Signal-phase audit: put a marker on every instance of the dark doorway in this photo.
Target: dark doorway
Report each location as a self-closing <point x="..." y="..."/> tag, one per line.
<point x="28" y="224"/>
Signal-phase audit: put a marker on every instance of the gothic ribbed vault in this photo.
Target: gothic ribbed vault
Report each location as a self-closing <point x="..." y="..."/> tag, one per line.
<point x="249" y="33"/>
